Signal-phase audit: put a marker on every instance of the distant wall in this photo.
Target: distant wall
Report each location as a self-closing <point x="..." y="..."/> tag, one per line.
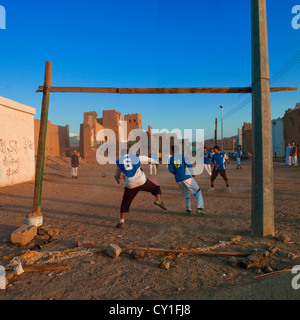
<point x="228" y="144"/>
<point x="247" y="145"/>
<point x="57" y="140"/>
<point x="277" y="138"/>
<point x="134" y="121"/>
<point x="291" y="123"/>
<point x="17" y="161"/>
<point x="111" y="120"/>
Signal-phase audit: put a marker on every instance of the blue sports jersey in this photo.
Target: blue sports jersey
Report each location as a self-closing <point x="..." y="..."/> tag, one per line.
<point x="207" y="157"/>
<point x="239" y="153"/>
<point x="129" y="164"/>
<point x="219" y="159"/>
<point x="177" y="166"/>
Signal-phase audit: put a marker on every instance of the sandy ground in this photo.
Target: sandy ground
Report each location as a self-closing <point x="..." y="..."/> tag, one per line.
<point x="87" y="209"/>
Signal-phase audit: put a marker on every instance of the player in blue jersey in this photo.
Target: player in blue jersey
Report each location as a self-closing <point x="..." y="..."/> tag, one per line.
<point x="207" y="161"/>
<point x="178" y="165"/>
<point x="239" y="154"/>
<point x="219" y="160"/>
<point x="135" y="181"/>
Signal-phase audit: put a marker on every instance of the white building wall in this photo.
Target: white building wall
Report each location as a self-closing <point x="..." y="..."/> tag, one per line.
<point x="278" y="137"/>
<point x="17" y="160"/>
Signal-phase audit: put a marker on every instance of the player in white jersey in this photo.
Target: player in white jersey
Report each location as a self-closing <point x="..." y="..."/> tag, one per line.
<point x="135" y="181"/>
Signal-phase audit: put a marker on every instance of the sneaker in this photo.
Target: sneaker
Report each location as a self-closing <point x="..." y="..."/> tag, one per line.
<point x="120" y="225"/>
<point x="188" y="212"/>
<point x="211" y="189"/>
<point x="229" y="189"/>
<point x="160" y="204"/>
<point x="201" y="211"/>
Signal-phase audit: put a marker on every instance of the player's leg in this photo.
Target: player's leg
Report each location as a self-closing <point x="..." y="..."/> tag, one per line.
<point x="212" y="179"/>
<point x="224" y="176"/>
<point x="128" y="196"/>
<point x="155" y="190"/>
<point x="196" y="191"/>
<point x="207" y="168"/>
<point x="187" y="196"/>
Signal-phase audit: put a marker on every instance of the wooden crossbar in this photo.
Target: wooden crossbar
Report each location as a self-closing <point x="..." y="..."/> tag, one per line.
<point x="160" y="90"/>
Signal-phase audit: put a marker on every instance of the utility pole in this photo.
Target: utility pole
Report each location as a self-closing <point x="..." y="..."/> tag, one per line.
<point x="262" y="168"/>
<point x="216" y="127"/>
<point x="221" y="127"/>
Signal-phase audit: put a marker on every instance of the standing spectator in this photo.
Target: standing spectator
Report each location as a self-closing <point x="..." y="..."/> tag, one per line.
<point x="239" y="154"/>
<point x="294" y="154"/>
<point x="207" y="161"/>
<point x="153" y="166"/>
<point x="74" y="164"/>
<point x="288" y="155"/>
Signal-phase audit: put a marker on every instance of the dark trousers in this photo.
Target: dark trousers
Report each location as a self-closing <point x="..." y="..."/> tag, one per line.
<point x="215" y="174"/>
<point x="130" y="194"/>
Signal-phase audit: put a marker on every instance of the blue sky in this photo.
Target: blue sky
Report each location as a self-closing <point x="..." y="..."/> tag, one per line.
<point x="142" y="43"/>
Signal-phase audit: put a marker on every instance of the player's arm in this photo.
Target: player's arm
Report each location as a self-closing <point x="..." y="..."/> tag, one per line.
<point x="189" y="166"/>
<point x="227" y="159"/>
<point x="145" y="160"/>
<point x="118" y="175"/>
<point x="213" y="161"/>
<point x="171" y="167"/>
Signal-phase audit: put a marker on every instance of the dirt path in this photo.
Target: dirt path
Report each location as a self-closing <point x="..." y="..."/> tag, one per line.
<point x="87" y="209"/>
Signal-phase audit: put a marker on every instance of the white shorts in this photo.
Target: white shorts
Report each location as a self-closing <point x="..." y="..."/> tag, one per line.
<point x="190" y="187"/>
<point x="207" y="167"/>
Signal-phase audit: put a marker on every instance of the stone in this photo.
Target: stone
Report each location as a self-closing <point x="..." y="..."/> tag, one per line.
<point x="255" y="261"/>
<point x="50" y="231"/>
<point x="267" y="269"/>
<point x="113" y="250"/>
<point x="164" y="265"/>
<point x="262" y="252"/>
<point x="284" y="238"/>
<point x="137" y="254"/>
<point x="24" y="234"/>
<point x="232" y="261"/>
<point x="273" y="250"/>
